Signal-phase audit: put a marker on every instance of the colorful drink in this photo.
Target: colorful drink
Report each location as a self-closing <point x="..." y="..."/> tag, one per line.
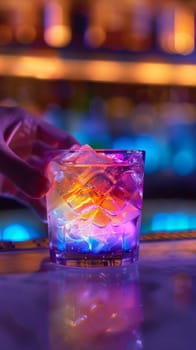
<point x="94" y="206"/>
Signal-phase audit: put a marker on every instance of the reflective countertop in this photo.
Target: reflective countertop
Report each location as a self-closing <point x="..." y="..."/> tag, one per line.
<point x="150" y="305"/>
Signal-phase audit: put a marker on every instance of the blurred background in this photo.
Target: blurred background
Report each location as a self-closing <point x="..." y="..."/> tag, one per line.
<point x="115" y="74"/>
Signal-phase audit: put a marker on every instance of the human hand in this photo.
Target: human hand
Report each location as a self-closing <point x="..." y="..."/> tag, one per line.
<point x="24" y="140"/>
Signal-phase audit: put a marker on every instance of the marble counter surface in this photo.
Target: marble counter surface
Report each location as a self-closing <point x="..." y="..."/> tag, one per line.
<point x="150" y="305"/>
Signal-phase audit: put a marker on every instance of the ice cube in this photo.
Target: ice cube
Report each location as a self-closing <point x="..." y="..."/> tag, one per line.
<point x="127" y="181"/>
<point x="112" y="206"/>
<point x="91" y="195"/>
<point x="136" y="158"/>
<point x="80" y="201"/>
<point x="68" y="174"/>
<point x="62" y="187"/>
<point x="128" y="188"/>
<point x="81" y="155"/>
<point x="87" y="155"/>
<point x="114" y="172"/>
<point x="100" y="218"/>
<point x="65" y="213"/>
<point x="69" y="155"/>
<point x="88" y="213"/>
<point x="128" y="213"/>
<point x="100" y="183"/>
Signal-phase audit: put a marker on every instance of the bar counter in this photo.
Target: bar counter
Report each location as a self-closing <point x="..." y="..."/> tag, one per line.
<point x="150" y="305"/>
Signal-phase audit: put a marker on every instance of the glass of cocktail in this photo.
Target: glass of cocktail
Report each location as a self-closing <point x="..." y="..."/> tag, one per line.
<point x="94" y="206"/>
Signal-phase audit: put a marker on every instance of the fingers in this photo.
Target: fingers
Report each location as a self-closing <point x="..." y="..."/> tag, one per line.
<point x="42" y="154"/>
<point x="29" y="180"/>
<point x="40" y="148"/>
<point x="28" y="176"/>
<point x="10" y="116"/>
<point x="54" y="136"/>
<point x="11" y="130"/>
<point x="37" y="163"/>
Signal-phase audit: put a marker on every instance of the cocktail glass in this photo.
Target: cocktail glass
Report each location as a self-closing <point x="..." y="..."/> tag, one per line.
<point x="94" y="206"/>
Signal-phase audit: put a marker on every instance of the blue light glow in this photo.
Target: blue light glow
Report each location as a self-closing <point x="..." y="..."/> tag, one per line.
<point x="156" y="152"/>
<point x="192" y="222"/>
<point x="81" y="136"/>
<point x="123" y="143"/>
<point x="184" y="162"/>
<point x="153" y="152"/>
<point x="170" y="221"/>
<point x="16" y="233"/>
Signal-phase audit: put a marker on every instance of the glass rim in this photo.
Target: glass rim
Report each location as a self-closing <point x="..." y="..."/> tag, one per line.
<point x="119" y="150"/>
<point x="111" y="150"/>
<point x="53" y="156"/>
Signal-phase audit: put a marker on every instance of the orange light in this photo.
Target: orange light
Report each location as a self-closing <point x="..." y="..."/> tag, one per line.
<point x="156" y="73"/>
<point x="95" y="36"/>
<point x="57" y="35"/>
<point x="57" y="31"/>
<point x="184" y="31"/>
<point x="109" y="71"/>
<point x="99" y="71"/>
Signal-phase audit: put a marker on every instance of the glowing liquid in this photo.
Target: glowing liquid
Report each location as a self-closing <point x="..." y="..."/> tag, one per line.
<point x="94" y="213"/>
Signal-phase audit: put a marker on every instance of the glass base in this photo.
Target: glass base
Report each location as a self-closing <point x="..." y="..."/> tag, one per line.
<point x="94" y="260"/>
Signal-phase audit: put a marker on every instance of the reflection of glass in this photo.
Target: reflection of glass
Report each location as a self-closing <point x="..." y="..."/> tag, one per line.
<point x="95" y="309"/>
<point x="94" y="206"/>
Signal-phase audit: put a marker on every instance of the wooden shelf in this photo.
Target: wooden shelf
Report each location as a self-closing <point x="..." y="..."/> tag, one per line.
<point x="97" y="70"/>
